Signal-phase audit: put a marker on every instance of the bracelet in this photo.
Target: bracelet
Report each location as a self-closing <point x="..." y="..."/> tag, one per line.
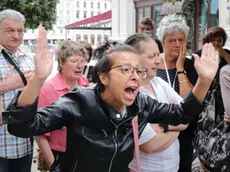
<point x="184" y="81"/>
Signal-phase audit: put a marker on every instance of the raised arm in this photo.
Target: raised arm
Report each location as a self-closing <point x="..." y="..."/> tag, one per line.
<point x="22" y="116"/>
<point x="185" y="84"/>
<point x="225" y="87"/>
<point x="43" y="68"/>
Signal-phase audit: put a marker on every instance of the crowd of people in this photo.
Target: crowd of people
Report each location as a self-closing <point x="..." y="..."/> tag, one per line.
<point x="83" y="126"/>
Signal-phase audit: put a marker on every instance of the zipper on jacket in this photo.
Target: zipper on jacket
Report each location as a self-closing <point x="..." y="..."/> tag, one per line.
<point x="115" y="143"/>
<point x="116" y="146"/>
<point x="75" y="166"/>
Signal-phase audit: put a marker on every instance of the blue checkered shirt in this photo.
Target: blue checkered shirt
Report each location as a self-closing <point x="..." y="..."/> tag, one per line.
<point x="12" y="147"/>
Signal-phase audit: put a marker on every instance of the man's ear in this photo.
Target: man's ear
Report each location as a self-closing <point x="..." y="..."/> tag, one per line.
<point x="104" y="78"/>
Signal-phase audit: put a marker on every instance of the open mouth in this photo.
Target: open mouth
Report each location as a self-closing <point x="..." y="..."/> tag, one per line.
<point x="78" y="72"/>
<point x="131" y="92"/>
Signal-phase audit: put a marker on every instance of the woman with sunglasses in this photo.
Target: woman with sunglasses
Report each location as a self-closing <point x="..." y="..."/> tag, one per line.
<point x="98" y="119"/>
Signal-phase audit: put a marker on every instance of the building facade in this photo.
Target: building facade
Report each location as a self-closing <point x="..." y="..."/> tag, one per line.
<point x="70" y="11"/>
<point x="201" y="15"/>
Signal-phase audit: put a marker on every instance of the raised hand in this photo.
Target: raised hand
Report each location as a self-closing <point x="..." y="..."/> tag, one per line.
<point x="207" y="65"/>
<point x="43" y="57"/>
<point x="14" y="81"/>
<point x="181" y="59"/>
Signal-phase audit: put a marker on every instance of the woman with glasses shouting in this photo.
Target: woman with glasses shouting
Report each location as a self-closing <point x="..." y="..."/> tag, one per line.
<point x="98" y="119"/>
<point x="72" y="58"/>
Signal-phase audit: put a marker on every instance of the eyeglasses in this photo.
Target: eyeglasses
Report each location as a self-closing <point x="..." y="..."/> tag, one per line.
<point x="79" y="62"/>
<point x="128" y="70"/>
<point x="174" y="41"/>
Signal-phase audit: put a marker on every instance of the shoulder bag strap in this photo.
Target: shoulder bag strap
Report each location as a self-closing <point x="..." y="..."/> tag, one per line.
<point x="136" y="144"/>
<point x="9" y="59"/>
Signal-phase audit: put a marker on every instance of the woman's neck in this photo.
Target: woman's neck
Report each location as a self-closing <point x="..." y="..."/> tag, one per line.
<point x="71" y="83"/>
<point x="170" y="62"/>
<point x="147" y="85"/>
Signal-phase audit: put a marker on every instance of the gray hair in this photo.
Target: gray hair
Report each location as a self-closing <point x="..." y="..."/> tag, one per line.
<point x="12" y="15"/>
<point x="170" y="24"/>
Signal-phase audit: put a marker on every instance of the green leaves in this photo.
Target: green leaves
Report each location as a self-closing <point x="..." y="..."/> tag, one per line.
<point x="174" y="1"/>
<point x="35" y="11"/>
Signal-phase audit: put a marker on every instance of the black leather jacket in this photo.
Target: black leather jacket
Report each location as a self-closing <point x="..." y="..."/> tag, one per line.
<point x="96" y="139"/>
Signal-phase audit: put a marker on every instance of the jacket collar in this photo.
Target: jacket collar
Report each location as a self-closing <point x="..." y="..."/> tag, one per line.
<point x="113" y="114"/>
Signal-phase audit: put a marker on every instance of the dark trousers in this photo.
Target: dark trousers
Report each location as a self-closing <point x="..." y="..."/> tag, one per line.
<point x="16" y="165"/>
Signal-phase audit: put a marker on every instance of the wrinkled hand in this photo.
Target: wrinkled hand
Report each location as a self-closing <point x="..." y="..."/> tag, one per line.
<point x="1" y="110"/>
<point x="181" y="59"/>
<point x="221" y="51"/>
<point x="43" y="57"/>
<point x="207" y="65"/>
<point x="14" y="81"/>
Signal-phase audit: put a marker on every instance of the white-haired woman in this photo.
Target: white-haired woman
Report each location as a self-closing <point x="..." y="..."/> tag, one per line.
<point x="179" y="72"/>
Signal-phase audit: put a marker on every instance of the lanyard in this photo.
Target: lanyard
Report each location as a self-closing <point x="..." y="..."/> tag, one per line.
<point x="167" y="73"/>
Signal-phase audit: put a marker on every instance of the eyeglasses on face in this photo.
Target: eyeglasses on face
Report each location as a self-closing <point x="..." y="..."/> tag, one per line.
<point x="128" y="70"/>
<point x="79" y="62"/>
<point x="175" y="41"/>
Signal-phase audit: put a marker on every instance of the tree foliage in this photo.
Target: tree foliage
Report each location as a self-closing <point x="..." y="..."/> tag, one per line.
<point x="174" y="1"/>
<point x="35" y="11"/>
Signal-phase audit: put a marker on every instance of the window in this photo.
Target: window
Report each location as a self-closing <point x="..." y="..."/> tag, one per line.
<point x="98" y="5"/>
<point x="92" y="39"/>
<point x="61" y="31"/>
<point x="78" y="37"/>
<point x="85" y="37"/>
<point x="84" y="4"/>
<point x="77" y="4"/>
<point x="85" y="14"/>
<point x="91" y="4"/>
<point x="106" y="37"/>
<point x="99" y="39"/>
<point x="105" y="6"/>
<point x="68" y="12"/>
<point x="214" y="12"/>
<point x="98" y="12"/>
<point x="77" y="14"/>
<point x="92" y="13"/>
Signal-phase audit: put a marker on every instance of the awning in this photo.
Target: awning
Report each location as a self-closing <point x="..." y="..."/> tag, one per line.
<point x="101" y="17"/>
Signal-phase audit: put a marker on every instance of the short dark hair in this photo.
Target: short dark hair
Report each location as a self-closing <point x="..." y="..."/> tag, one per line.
<point x="99" y="51"/>
<point x="147" y="21"/>
<point x="104" y="64"/>
<point x="214" y="32"/>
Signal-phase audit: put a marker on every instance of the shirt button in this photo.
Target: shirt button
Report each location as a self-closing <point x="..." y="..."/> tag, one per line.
<point x="118" y="115"/>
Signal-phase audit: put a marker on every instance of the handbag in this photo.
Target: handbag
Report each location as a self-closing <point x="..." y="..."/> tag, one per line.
<point x="136" y="144"/>
<point x="212" y="141"/>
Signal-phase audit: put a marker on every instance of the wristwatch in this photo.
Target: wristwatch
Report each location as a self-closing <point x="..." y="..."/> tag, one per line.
<point x="182" y="72"/>
<point x="165" y="127"/>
